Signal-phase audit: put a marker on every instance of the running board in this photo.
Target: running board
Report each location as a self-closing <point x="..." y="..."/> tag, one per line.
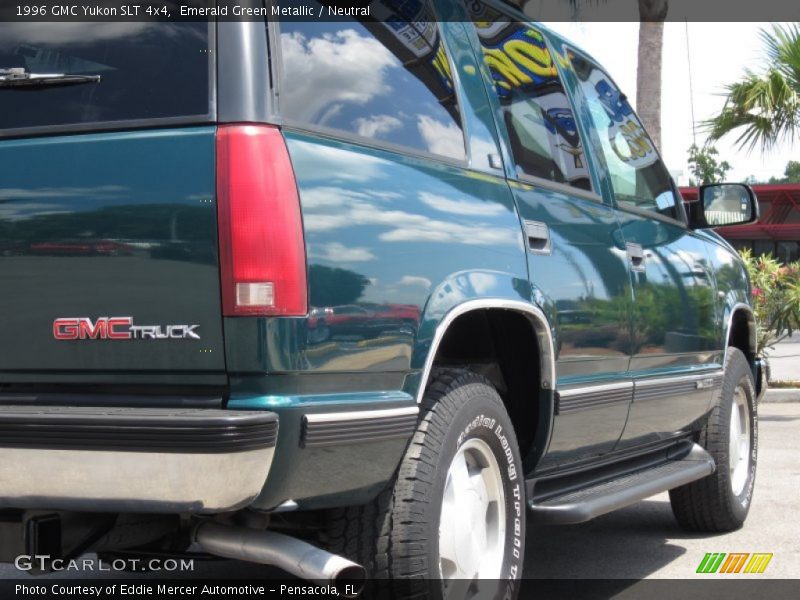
<point x="578" y="506"/>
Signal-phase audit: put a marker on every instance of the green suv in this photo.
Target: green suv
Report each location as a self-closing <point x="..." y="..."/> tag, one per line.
<point x="358" y="297"/>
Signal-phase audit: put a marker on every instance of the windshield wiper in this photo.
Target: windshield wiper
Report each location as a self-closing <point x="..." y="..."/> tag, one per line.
<point x="20" y="78"/>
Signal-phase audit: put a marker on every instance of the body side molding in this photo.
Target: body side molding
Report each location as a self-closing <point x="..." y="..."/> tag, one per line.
<point x="325" y="429"/>
<point x="571" y="399"/>
<point x="660" y="387"/>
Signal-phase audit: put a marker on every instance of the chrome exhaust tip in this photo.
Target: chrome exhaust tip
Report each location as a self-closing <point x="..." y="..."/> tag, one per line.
<point x="290" y="554"/>
<point x="350" y="580"/>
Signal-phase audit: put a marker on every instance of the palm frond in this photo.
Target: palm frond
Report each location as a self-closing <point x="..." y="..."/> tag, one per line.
<point x="783" y="50"/>
<point x="765" y="107"/>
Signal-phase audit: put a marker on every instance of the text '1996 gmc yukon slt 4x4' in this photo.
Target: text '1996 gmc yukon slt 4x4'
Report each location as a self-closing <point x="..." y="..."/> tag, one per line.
<point x="356" y="298"/>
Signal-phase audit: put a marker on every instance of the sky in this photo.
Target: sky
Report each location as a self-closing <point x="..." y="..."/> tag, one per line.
<point x="720" y="53"/>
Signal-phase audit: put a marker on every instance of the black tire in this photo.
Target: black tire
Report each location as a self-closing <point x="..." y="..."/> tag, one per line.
<point x="710" y="504"/>
<point x="396" y="537"/>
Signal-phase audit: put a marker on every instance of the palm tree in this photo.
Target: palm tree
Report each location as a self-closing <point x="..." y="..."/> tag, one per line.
<point x="765" y="107"/>
<point x="652" y="14"/>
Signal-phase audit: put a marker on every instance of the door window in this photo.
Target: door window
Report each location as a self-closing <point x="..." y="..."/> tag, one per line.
<point x="638" y="176"/>
<point x="538" y="116"/>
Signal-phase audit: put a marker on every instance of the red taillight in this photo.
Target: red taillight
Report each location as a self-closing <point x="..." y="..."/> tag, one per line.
<point x="261" y="248"/>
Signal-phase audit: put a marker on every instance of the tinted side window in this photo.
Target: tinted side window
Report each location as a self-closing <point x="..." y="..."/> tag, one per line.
<point x="541" y="126"/>
<point x="388" y="79"/>
<point x="148" y="71"/>
<point x="638" y="175"/>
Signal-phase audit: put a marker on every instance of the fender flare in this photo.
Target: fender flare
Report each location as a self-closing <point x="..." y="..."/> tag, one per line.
<point x="741" y="307"/>
<point x="536" y="317"/>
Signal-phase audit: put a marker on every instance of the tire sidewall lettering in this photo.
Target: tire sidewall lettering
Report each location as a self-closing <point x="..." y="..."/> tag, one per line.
<point x="489" y="429"/>
<point x="747" y="495"/>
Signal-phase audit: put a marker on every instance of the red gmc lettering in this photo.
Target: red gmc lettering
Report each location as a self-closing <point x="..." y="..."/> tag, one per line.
<point x="93" y="331"/>
<point x="114" y="328"/>
<point x="119" y="328"/>
<point x="115" y="322"/>
<point x="65" y="329"/>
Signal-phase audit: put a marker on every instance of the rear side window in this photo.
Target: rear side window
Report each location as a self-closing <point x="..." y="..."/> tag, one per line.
<point x="386" y="79"/>
<point x="541" y="125"/>
<point x="148" y="71"/>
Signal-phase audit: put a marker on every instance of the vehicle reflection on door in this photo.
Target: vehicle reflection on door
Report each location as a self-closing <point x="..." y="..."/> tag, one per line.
<point x="361" y="321"/>
<point x="674" y="329"/>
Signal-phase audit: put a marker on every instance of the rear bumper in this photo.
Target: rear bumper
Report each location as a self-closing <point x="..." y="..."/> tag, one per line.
<point x="133" y="459"/>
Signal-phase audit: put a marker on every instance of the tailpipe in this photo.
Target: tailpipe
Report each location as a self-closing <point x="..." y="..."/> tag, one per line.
<point x="290" y="554"/>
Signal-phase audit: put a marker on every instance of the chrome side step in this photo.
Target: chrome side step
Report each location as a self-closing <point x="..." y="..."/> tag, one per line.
<point x="578" y="506"/>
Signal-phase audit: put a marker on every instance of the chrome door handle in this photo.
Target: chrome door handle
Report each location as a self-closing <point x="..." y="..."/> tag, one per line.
<point x="538" y="235"/>
<point x="635" y="256"/>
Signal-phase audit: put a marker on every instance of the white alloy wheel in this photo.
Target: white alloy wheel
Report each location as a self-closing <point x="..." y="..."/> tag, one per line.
<point x="739" y="448"/>
<point x="472" y="526"/>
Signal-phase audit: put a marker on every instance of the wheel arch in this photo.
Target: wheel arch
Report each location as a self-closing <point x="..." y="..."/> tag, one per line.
<point x="740" y="331"/>
<point x="523" y="388"/>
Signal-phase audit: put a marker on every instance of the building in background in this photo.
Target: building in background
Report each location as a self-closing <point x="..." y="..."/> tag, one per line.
<point x="777" y="231"/>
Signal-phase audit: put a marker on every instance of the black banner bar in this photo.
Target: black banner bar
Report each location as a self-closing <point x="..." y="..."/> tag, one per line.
<point x="744" y="588"/>
<point x="55" y="11"/>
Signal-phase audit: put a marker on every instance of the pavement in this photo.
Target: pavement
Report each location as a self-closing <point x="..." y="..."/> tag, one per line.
<point x="641" y="541"/>
<point x="782" y="395"/>
<point x="784" y="360"/>
<point x="644" y="541"/>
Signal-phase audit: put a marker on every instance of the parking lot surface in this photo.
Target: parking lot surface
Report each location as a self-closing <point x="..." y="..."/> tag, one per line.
<point x="784" y="359"/>
<point x="644" y="541"/>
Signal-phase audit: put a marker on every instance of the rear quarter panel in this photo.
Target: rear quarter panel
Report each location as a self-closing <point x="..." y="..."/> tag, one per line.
<point x="394" y="242"/>
<point x="403" y="238"/>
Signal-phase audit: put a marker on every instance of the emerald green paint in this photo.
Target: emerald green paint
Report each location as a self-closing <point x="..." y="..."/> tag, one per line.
<point x="104" y="225"/>
<point x="387" y="260"/>
<point x="353" y="401"/>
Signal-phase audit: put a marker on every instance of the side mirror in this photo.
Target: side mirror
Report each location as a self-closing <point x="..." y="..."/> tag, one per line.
<point x="723" y="205"/>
